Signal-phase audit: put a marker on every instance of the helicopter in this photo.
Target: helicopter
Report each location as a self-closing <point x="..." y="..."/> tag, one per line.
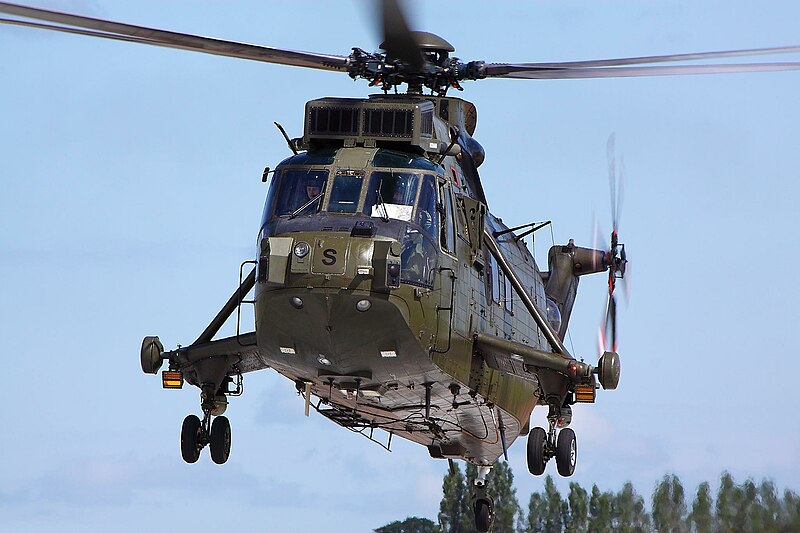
<point x="466" y="357"/>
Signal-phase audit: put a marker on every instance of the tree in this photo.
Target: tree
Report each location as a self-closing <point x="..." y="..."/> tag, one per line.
<point x="506" y="507"/>
<point x="726" y="504"/>
<point x="770" y="506"/>
<point x="536" y="512"/>
<point x="412" y="524"/>
<point x="552" y="507"/>
<point x="790" y="511"/>
<point x="578" y="499"/>
<point x="600" y="506"/>
<point x="468" y="518"/>
<point x="455" y="501"/>
<point x="629" y="512"/>
<point x="748" y="512"/>
<point x="669" y="506"/>
<point x="701" y="518"/>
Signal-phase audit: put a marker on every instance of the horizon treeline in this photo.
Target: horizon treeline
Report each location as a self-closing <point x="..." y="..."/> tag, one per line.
<point x="732" y="508"/>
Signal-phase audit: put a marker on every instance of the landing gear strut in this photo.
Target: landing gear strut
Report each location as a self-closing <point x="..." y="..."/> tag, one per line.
<point x="542" y="446"/>
<point x="196" y="434"/>
<point x="482" y="504"/>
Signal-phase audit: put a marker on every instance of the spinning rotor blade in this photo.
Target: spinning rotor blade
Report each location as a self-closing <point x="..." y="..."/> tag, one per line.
<point x="127" y="32"/>
<point x="621" y="67"/>
<point x="660" y="59"/>
<point x="558" y="73"/>
<point x="398" y="40"/>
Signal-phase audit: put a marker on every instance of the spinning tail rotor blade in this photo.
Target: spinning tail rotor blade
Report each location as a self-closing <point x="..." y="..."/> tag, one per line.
<point x="615" y="257"/>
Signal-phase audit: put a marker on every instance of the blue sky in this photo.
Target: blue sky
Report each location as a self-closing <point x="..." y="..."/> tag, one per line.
<point x="131" y="192"/>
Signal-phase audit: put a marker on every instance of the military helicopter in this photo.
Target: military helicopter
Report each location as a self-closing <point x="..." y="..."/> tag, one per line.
<point x="383" y="286"/>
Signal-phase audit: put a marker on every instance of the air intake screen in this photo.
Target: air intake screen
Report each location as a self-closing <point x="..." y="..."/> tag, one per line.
<point x="389" y="122"/>
<point x="335" y="121"/>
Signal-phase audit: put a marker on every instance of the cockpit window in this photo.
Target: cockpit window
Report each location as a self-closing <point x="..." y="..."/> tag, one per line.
<point x="392" y="195"/>
<point x="391" y="158"/>
<point x="321" y="157"/>
<point x="427" y="215"/>
<point x="345" y="192"/>
<point x="296" y="187"/>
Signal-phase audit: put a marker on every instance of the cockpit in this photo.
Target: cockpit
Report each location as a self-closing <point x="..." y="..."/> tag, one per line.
<point x="331" y="190"/>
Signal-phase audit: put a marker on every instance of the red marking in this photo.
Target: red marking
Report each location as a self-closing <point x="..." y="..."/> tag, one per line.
<point x="455" y="175"/>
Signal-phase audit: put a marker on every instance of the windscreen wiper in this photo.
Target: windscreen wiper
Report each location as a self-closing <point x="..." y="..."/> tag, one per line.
<point x="385" y="216"/>
<point x="306" y="205"/>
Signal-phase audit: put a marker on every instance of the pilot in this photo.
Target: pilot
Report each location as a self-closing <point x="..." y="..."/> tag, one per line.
<point x="399" y="193"/>
<point x="314" y="186"/>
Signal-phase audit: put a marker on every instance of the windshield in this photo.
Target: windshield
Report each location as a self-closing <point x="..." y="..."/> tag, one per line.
<point x="294" y="188"/>
<point x="391" y="194"/>
<point x="345" y="192"/>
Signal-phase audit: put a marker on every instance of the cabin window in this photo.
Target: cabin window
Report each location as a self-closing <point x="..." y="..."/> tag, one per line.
<point x="502" y="289"/>
<point x="392" y="195"/>
<point x="448" y="233"/>
<point x="293" y="188"/>
<point x="509" y="295"/>
<point x="418" y="258"/>
<point x="495" y="274"/>
<point x="345" y="192"/>
<point x="427" y="216"/>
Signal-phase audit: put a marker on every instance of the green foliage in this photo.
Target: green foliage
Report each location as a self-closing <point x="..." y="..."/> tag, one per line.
<point x="701" y="519"/>
<point x="745" y="507"/>
<point x="578" y="501"/>
<point x="669" y="506"/>
<point x="629" y="511"/>
<point x="727" y="496"/>
<point x="501" y="489"/>
<point x="537" y="509"/>
<point x="411" y="524"/>
<point x="454" y="507"/>
<point x="600" y="511"/>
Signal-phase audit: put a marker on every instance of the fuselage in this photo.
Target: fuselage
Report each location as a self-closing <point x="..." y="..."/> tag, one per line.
<point x="373" y="292"/>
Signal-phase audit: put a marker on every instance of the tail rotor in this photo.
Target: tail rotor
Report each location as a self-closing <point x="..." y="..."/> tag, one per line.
<point x="615" y="258"/>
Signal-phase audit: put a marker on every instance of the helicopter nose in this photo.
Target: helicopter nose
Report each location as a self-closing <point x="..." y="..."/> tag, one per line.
<point x="325" y="260"/>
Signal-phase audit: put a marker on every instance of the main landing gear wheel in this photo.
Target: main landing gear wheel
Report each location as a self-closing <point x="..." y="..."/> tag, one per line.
<point x="483" y="515"/>
<point x="537" y="459"/>
<point x="220" y="440"/>
<point x="190" y="439"/>
<point x="566" y="452"/>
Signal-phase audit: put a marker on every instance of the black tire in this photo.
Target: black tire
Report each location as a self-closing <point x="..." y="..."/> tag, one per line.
<point x="566" y="452"/>
<point x="190" y="431"/>
<point x="536" y="456"/>
<point x="220" y="440"/>
<point x="483" y="515"/>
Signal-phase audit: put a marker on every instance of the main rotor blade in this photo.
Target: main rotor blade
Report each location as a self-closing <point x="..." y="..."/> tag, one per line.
<point x="398" y="41"/>
<point x="496" y="70"/>
<point x="666" y="58"/>
<point x="184" y="41"/>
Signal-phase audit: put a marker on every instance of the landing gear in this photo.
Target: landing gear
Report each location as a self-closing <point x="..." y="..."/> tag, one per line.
<point x="190" y="439"/>
<point x="566" y="452"/>
<point x="196" y="434"/>
<point x="542" y="446"/>
<point x="482" y="504"/>
<point x="220" y="440"/>
<point x="537" y="455"/>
